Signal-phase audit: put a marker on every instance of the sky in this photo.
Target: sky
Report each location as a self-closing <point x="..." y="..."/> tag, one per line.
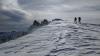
<point x="16" y="13"/>
<point x="62" y="8"/>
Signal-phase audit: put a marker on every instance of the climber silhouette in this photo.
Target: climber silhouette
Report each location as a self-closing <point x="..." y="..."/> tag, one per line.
<point x="75" y="20"/>
<point x="79" y="20"/>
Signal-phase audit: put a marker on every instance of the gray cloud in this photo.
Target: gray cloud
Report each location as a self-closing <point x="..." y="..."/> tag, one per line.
<point x="12" y="17"/>
<point x="44" y="4"/>
<point x="64" y="7"/>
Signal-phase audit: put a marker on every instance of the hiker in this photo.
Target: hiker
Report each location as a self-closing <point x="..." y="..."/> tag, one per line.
<point x="75" y="20"/>
<point x="79" y="20"/>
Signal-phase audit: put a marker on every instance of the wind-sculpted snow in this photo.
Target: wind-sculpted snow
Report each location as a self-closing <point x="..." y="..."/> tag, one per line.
<point x="56" y="39"/>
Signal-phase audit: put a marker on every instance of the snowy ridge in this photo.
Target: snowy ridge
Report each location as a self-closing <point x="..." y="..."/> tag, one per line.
<point x="56" y="39"/>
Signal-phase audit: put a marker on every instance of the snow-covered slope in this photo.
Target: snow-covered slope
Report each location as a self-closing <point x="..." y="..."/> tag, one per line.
<point x="56" y="39"/>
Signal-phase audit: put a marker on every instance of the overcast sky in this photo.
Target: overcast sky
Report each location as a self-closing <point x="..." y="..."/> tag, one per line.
<point x="21" y="12"/>
<point x="62" y="8"/>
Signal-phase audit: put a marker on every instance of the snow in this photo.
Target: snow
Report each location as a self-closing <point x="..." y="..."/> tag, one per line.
<point x="59" y="38"/>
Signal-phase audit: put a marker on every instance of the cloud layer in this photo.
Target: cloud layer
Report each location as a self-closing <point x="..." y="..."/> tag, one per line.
<point x="12" y="17"/>
<point x="63" y="7"/>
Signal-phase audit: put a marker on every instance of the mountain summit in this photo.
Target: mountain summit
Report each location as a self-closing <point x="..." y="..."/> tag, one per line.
<point x="63" y="39"/>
